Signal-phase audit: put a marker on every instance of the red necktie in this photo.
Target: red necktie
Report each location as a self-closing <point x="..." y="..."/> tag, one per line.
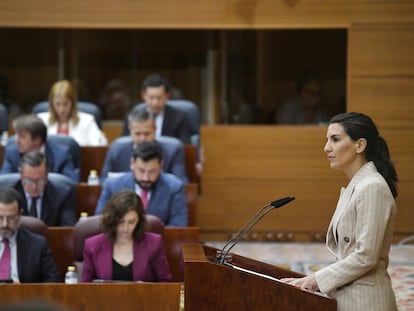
<point x="5" y="260"/>
<point x="144" y="198"/>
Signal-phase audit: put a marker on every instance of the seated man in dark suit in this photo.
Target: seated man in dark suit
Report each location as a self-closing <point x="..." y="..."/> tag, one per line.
<point x="162" y="194"/>
<point x="25" y="256"/>
<point x="31" y="134"/>
<point x="142" y="128"/>
<point x="52" y="202"/>
<point x="169" y="121"/>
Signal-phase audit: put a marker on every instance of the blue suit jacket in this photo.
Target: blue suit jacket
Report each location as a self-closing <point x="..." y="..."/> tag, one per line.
<point x="58" y="158"/>
<point x="150" y="263"/>
<point x="167" y="201"/>
<point x="118" y="157"/>
<point x="34" y="258"/>
<point x="58" y="204"/>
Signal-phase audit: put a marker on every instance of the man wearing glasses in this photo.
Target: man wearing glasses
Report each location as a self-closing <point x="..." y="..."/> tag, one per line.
<point x="25" y="257"/>
<point x="52" y="202"/>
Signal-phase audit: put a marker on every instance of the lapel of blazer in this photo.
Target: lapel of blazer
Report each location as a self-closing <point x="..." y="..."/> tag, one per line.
<point x="47" y="201"/>
<point x="104" y="259"/>
<point x="344" y="200"/>
<point x="168" y="123"/>
<point x="156" y="196"/>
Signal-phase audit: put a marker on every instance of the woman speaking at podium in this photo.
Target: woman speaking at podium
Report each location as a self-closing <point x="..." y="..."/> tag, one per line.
<point x="361" y="229"/>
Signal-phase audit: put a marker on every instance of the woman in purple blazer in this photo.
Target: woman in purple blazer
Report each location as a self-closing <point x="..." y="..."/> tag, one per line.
<point x="125" y="252"/>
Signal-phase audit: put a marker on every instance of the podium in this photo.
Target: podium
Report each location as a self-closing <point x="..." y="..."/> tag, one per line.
<point x="246" y="284"/>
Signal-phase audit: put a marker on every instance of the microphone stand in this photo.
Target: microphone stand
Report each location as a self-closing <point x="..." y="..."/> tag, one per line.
<point x="249" y="225"/>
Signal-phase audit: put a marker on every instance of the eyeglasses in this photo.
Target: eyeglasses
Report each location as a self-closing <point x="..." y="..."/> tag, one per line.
<point x="30" y="181"/>
<point x="9" y="219"/>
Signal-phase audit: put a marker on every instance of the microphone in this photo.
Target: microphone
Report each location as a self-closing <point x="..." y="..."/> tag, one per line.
<point x="249" y="225"/>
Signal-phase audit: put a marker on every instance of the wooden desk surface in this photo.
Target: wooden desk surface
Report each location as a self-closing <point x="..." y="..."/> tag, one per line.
<point x="98" y="297"/>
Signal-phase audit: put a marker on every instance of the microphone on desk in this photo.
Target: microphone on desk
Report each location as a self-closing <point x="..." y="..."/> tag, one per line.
<point x="222" y="255"/>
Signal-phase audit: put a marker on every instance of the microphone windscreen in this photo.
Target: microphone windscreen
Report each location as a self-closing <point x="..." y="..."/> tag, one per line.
<point x="281" y="202"/>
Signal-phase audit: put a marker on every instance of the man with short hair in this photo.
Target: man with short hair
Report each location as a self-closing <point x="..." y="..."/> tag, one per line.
<point x="52" y="202"/>
<point x="142" y="128"/>
<point x="162" y="194"/>
<point x="31" y="134"/>
<point x="25" y="257"/>
<point x="169" y="121"/>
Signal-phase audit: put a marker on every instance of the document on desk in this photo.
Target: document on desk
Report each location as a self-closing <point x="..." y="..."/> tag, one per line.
<point x="269" y="277"/>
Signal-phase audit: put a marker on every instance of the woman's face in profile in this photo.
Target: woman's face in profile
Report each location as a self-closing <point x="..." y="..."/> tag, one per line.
<point x="62" y="107"/>
<point x="340" y="148"/>
<point x="126" y="225"/>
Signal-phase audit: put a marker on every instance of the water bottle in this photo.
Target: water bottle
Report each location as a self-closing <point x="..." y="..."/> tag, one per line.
<point x="83" y="215"/>
<point x="71" y="276"/>
<point x="93" y="178"/>
<point x="4" y="138"/>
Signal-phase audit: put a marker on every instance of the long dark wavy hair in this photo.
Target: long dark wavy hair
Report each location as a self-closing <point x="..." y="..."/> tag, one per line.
<point x="118" y="205"/>
<point x="358" y="125"/>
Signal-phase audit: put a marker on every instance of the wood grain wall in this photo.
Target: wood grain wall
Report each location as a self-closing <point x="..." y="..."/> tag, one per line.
<point x="203" y="14"/>
<point x="249" y="166"/>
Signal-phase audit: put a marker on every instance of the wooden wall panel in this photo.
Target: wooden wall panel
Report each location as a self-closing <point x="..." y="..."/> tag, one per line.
<point x="265" y="152"/>
<point x="381" y="50"/>
<point x="248" y="167"/>
<point x="390" y="101"/>
<point x="229" y="204"/>
<point x="201" y="14"/>
<point x="381" y="72"/>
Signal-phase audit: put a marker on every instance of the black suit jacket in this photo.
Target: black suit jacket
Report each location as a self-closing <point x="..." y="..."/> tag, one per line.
<point x="34" y="258"/>
<point x="175" y="124"/>
<point x="58" y="204"/>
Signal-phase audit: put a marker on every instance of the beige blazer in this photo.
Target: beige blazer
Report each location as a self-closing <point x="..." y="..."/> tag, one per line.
<point x="360" y="236"/>
<point x="86" y="132"/>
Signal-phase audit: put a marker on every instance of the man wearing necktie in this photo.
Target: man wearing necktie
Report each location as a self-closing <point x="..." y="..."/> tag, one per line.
<point x="25" y="257"/>
<point x="52" y="202"/>
<point x="163" y="192"/>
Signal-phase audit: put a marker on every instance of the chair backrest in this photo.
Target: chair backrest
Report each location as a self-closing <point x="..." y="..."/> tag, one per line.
<point x="74" y="147"/>
<point x="191" y="110"/>
<point x="83" y="106"/>
<point x="93" y="225"/>
<point x="4" y="119"/>
<point x="10" y="179"/>
<point x="34" y="224"/>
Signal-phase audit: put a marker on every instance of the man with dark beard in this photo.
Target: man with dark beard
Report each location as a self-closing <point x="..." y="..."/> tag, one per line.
<point x="162" y="194"/>
<point x="25" y="257"/>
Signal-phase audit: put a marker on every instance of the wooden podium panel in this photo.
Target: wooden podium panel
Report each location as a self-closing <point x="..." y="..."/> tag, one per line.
<point x="212" y="286"/>
<point x="98" y="297"/>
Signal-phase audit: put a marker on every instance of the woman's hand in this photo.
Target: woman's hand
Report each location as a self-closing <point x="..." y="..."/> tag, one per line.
<point x="306" y="283"/>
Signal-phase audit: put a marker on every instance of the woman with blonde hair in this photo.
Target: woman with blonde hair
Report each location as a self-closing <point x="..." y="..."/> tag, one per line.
<point x="64" y="118"/>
